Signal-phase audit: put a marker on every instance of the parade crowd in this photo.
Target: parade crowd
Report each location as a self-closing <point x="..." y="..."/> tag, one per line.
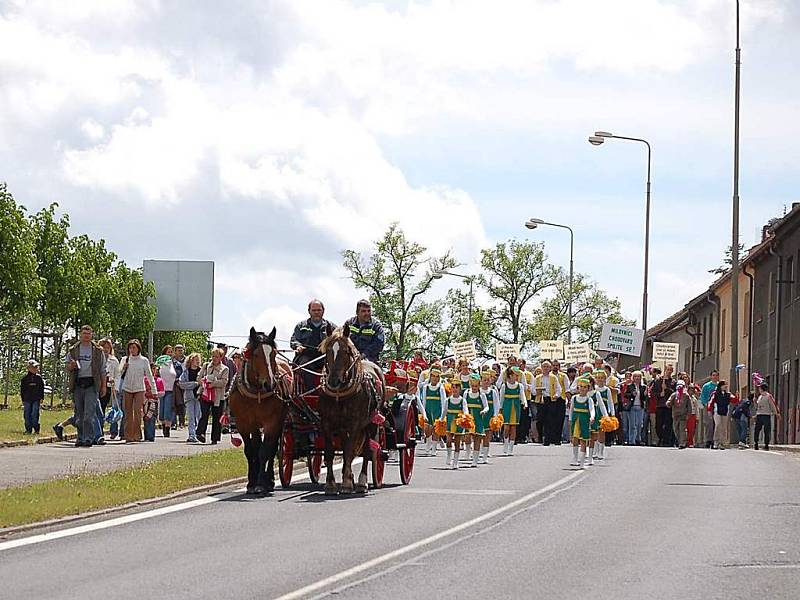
<point x="462" y="406"/>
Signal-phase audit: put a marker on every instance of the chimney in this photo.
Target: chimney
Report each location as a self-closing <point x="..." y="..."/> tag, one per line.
<point x="765" y="230"/>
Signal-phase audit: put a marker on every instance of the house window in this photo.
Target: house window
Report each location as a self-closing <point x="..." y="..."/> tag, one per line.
<point x="723" y="329"/>
<point x="788" y="277"/>
<point x="746" y="315"/>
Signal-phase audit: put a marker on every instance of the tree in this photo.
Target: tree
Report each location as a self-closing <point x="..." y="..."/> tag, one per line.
<point x="134" y="315"/>
<point x="591" y="307"/>
<point x="397" y="276"/>
<point x="193" y="341"/>
<point x="514" y="273"/>
<point x="458" y="327"/>
<point x="97" y="297"/>
<point x="728" y="262"/>
<point x="19" y="282"/>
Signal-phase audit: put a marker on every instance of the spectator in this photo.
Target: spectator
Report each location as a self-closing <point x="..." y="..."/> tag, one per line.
<point x="31" y="390"/>
<point x="112" y="373"/>
<point x="152" y="400"/>
<point x="718" y="407"/>
<point x="623" y="410"/>
<point x="215" y="375"/>
<point x="691" y="424"/>
<point x="178" y="358"/>
<point x="559" y="408"/>
<point x="134" y="369"/>
<point x="681" y="404"/>
<point x="765" y="409"/>
<point x="189" y="383"/>
<point x="86" y="375"/>
<point x="707" y="419"/>
<point x="661" y="391"/>
<point x="741" y="416"/>
<point x="166" y="406"/>
<point x="635" y="405"/>
<point x="419" y="362"/>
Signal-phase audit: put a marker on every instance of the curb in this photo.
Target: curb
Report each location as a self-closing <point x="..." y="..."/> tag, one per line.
<point x="210" y="487"/>
<point x="45" y="439"/>
<point x="792" y="449"/>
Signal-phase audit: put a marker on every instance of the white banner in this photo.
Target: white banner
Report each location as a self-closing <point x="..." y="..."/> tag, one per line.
<point x="577" y="353"/>
<point x="551" y="349"/>
<point x="668" y="353"/>
<point x="621" y="339"/>
<point x="503" y="351"/>
<point x="465" y="350"/>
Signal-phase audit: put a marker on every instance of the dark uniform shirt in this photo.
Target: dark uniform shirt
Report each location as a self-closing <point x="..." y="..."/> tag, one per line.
<point x="310" y="336"/>
<point x="367" y="337"/>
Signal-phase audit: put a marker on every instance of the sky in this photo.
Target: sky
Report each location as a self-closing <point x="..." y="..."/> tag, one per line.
<point x="270" y="135"/>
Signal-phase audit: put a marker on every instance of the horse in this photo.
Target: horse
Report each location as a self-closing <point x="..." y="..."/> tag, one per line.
<point x="349" y="395"/>
<point x="258" y="401"/>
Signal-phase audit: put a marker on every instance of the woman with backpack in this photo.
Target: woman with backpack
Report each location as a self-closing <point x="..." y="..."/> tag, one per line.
<point x="765" y="409"/>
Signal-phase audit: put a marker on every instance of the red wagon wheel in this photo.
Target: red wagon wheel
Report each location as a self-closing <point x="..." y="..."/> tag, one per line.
<point x="314" y="463"/>
<point x="407" y="454"/>
<point x="286" y="455"/>
<point x="378" y="464"/>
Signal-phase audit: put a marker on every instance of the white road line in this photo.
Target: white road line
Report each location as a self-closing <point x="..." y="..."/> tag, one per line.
<point x="149" y="514"/>
<point x="370" y="564"/>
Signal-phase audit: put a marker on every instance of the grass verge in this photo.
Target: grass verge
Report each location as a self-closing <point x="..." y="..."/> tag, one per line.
<point x="85" y="493"/>
<point x="12" y="421"/>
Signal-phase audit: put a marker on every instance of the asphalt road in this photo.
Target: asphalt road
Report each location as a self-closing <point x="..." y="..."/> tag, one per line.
<point x="647" y="523"/>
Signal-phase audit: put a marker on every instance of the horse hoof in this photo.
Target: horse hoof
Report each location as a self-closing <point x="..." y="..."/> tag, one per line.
<point x="331" y="489"/>
<point x="362" y="489"/>
<point x="347" y="489"/>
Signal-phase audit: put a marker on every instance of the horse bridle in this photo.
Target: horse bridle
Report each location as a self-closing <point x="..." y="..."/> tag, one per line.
<point x="357" y="380"/>
<point x="247" y="389"/>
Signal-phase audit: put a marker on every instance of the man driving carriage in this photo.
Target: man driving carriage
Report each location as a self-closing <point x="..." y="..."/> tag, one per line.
<point x="307" y="336"/>
<point x="366" y="332"/>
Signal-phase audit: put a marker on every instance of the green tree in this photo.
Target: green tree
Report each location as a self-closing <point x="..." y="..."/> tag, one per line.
<point x="459" y="327"/>
<point x="728" y="261"/>
<point x="591" y="308"/>
<point x="397" y="276"/>
<point x="193" y="341"/>
<point x="92" y="264"/>
<point x="19" y="283"/>
<point x="134" y="314"/>
<point x="514" y="274"/>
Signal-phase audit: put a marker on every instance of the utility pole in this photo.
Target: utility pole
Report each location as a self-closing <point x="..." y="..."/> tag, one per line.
<point x="735" y="232"/>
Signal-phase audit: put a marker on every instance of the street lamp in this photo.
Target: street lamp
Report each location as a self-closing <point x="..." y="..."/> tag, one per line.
<point x="599" y="138"/>
<point x="469" y="279"/>
<point x="533" y="224"/>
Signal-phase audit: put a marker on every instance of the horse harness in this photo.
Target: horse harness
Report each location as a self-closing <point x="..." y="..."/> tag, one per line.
<point x="258" y="393"/>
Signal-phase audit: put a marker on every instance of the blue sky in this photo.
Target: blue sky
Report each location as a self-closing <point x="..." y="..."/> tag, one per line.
<point x="270" y="135"/>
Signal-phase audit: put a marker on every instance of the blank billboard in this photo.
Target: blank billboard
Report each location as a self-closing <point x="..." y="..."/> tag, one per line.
<point x="184" y="294"/>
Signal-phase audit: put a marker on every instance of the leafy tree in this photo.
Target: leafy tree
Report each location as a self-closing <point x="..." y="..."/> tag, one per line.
<point x="514" y="274"/>
<point x="193" y="341"/>
<point x="19" y="282"/>
<point x="134" y="315"/>
<point x="397" y="276"/>
<point x="97" y="298"/>
<point x="726" y="265"/>
<point x="459" y="327"/>
<point x="591" y="308"/>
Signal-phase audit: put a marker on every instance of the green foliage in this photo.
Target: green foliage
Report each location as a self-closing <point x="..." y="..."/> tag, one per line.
<point x="459" y="327"/>
<point x="134" y="314"/>
<point x="58" y="302"/>
<point x="19" y="283"/>
<point x="514" y="274"/>
<point x="397" y="276"/>
<point x="193" y="341"/>
<point x="591" y="308"/>
<point x="728" y="261"/>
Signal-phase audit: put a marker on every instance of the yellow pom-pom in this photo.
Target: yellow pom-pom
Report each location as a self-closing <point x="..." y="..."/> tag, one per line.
<point x="440" y="427"/>
<point x="422" y="421"/>
<point x="608" y="424"/>
<point x="496" y="423"/>
<point x="466" y="421"/>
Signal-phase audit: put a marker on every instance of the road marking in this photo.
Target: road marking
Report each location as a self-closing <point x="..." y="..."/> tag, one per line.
<point x="453" y="492"/>
<point x="149" y="514"/>
<point x="370" y="564"/>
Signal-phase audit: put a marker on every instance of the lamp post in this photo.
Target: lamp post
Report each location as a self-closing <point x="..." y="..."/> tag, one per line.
<point x="735" y="226"/>
<point x="597" y="139"/>
<point x="533" y="224"/>
<point x="470" y="279"/>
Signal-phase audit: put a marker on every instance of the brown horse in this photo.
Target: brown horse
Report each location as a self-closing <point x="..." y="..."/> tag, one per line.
<point x="348" y="400"/>
<point x="258" y="402"/>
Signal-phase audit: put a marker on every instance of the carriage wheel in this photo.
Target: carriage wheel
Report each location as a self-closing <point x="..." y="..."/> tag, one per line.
<point x="378" y="464"/>
<point x="407" y="453"/>
<point x="286" y="456"/>
<point x="314" y="462"/>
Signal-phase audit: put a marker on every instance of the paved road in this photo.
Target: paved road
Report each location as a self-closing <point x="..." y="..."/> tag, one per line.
<point x="648" y="523"/>
<point x="29" y="464"/>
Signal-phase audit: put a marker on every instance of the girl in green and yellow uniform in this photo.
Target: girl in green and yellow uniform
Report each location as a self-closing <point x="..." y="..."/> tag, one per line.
<point x="455" y="407"/>
<point x="512" y="402"/>
<point x="490" y="391"/>
<point x="478" y="406"/>
<point x="607" y="397"/>
<point x="581" y="416"/>
<point x="599" y="410"/>
<point x="434" y="400"/>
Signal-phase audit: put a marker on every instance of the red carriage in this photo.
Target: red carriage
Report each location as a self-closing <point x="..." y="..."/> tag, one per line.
<point x="302" y="438"/>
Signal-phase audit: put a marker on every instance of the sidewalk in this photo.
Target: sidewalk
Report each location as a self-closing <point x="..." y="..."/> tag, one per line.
<point x="29" y="464"/>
